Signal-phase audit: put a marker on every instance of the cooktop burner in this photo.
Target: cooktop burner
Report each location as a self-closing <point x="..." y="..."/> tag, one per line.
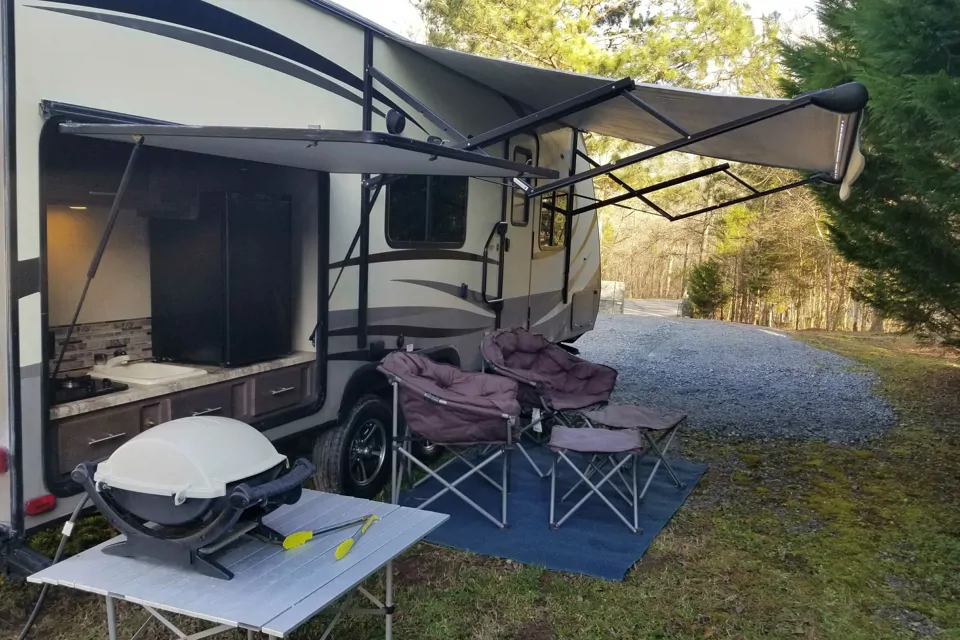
<point x="72" y="388"/>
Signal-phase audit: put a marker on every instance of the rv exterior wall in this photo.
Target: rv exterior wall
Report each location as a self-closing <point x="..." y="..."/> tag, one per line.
<point x="6" y="369"/>
<point x="204" y="74"/>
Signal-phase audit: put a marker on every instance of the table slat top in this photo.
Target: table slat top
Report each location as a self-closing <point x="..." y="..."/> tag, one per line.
<point x="273" y="590"/>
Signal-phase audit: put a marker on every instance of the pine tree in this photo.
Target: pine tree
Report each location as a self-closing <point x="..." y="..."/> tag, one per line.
<point x="902" y="221"/>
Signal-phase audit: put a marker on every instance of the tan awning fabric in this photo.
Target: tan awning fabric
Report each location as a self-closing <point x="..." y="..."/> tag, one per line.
<point x="809" y="139"/>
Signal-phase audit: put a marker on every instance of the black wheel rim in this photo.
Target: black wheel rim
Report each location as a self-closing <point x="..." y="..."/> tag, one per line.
<point x="368" y="450"/>
<point x="427" y="447"/>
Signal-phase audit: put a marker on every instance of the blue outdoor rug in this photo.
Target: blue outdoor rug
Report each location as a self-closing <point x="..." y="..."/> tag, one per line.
<point x="592" y="542"/>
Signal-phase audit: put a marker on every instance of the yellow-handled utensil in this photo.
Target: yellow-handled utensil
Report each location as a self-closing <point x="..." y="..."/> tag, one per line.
<point x="344" y="548"/>
<point x="299" y="538"/>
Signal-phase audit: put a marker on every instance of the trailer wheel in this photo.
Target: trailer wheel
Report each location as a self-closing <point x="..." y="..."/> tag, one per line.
<point x="353" y="458"/>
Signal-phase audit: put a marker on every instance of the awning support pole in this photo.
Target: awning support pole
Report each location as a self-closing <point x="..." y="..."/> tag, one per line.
<point x="550" y="114"/>
<point x="819" y="177"/>
<point x="421" y="108"/>
<point x="366" y="199"/>
<point x="101" y="247"/>
<point x="635" y="99"/>
<point x="656" y="209"/>
<point x="741" y="181"/>
<point x="676" y="145"/>
<point x="640" y="193"/>
<point x="568" y="226"/>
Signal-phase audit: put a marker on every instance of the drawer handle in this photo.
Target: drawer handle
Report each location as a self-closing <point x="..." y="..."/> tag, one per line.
<point x="280" y="392"/>
<point x="107" y="438"/>
<point x="206" y="412"/>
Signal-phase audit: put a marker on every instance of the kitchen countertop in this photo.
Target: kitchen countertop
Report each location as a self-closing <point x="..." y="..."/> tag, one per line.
<point x="143" y="392"/>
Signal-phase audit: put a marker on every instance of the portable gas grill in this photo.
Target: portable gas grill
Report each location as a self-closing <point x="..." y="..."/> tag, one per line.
<point x="185" y="489"/>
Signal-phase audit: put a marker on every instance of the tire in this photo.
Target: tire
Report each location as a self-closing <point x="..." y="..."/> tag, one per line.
<point x="353" y="458"/>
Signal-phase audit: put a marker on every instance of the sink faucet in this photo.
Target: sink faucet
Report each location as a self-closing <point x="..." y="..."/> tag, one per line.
<point x="117" y="361"/>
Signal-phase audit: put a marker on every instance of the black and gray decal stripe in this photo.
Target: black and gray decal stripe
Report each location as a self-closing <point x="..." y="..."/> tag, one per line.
<point x="415" y="254"/>
<point x="221" y="45"/>
<point x="410" y="331"/>
<point x="205" y="17"/>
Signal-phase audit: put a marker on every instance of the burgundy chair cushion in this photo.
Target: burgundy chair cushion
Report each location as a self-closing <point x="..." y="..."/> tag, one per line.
<point x="476" y="403"/>
<point x="567" y="382"/>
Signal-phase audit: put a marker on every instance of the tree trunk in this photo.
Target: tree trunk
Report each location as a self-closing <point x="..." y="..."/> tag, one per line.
<point x="877" y="326"/>
<point x="827" y="289"/>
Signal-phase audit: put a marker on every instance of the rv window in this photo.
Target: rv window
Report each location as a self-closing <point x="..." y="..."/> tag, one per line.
<point x="553" y="221"/>
<point x="520" y="212"/>
<point x="427" y="210"/>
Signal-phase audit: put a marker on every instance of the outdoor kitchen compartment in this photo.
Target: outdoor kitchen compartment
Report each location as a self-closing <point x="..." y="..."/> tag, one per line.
<point x="221" y="284"/>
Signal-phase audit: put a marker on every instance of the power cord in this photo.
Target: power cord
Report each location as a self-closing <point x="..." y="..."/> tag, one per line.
<point x="67" y="531"/>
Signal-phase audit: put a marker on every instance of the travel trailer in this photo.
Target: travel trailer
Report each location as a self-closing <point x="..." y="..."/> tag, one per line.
<point x="237" y="208"/>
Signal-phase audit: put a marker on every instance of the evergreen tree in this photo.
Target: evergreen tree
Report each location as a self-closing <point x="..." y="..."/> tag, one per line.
<point x="708" y="293"/>
<point x="902" y="221"/>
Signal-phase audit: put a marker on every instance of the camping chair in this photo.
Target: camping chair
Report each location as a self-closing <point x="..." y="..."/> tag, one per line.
<point x="555" y="385"/>
<point x="465" y="412"/>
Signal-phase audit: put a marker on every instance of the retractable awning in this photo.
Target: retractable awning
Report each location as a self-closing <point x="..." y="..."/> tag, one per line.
<point x="332" y="151"/>
<point x="821" y="137"/>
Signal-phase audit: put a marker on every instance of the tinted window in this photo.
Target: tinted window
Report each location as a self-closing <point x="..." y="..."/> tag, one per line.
<point x="553" y="222"/>
<point x="427" y="210"/>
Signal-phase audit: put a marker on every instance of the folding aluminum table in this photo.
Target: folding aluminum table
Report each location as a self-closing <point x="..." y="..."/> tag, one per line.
<point x="273" y="591"/>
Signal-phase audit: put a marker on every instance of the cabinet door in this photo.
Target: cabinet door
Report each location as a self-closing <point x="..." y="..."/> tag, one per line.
<point x="94" y="436"/>
<point x="279" y="389"/>
<point x="206" y="401"/>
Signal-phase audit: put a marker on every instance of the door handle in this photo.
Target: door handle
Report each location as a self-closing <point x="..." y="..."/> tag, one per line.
<point x="206" y="412"/>
<point x="107" y="438"/>
<point x="280" y="392"/>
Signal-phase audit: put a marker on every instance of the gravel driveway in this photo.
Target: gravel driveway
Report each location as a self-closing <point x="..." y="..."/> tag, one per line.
<point x="735" y="379"/>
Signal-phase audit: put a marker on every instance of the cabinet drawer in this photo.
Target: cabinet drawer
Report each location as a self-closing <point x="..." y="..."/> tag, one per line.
<point x="93" y="437"/>
<point x="278" y="389"/>
<point x="206" y="401"/>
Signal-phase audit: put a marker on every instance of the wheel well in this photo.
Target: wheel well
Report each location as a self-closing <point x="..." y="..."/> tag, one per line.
<point x="367" y="379"/>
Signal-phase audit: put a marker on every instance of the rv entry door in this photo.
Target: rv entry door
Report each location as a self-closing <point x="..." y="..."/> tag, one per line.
<point x="516" y="277"/>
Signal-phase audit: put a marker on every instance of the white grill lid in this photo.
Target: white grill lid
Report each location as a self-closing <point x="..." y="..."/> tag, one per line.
<point x="193" y="457"/>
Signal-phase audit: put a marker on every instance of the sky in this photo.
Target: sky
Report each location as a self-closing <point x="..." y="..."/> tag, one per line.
<point x="401" y="17"/>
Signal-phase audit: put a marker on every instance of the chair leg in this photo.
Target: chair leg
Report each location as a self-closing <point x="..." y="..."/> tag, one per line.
<point x="505" y="463"/>
<point x="553" y="489"/>
<point x="452" y="486"/>
<point x="595" y="489"/>
<point x="636" y="496"/>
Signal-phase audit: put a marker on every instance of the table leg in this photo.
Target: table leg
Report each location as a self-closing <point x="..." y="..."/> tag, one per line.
<point x="111" y="619"/>
<point x="389" y="601"/>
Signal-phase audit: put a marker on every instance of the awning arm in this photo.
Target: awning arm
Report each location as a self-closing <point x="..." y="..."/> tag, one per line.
<point x="721" y="168"/>
<point x="817" y="177"/>
<point x="846" y="98"/>
<point x="420" y="107"/>
<point x="640" y="193"/>
<point x="551" y="114"/>
<point x="637" y="100"/>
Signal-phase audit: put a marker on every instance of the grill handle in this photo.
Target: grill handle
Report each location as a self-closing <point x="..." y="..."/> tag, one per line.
<point x="245" y="496"/>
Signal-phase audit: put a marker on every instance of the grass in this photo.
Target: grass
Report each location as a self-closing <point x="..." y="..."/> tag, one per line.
<point x="782" y="539"/>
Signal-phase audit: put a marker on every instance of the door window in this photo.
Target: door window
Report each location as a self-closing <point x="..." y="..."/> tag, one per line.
<point x="520" y="211"/>
<point x="553" y="219"/>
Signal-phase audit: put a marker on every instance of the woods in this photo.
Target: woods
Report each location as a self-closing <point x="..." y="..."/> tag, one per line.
<point x="888" y="257"/>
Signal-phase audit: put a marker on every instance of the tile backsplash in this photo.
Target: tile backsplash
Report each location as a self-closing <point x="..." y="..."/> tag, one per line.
<point x="90" y="340"/>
